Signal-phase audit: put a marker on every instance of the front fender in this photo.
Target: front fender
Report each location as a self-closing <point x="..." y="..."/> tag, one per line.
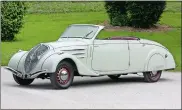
<point x="15" y="59"/>
<point x="51" y="62"/>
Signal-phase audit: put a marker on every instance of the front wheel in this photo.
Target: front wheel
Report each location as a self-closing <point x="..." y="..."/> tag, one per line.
<point x="152" y="76"/>
<point x="21" y="81"/>
<point x="63" y="77"/>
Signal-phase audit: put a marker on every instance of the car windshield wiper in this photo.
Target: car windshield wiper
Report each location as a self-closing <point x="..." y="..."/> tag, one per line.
<point x="87" y="34"/>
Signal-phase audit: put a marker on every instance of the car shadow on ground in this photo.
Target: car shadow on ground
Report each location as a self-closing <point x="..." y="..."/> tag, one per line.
<point x="85" y="83"/>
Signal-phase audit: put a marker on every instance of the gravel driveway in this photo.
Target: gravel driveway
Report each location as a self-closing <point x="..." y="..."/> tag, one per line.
<point x="94" y="92"/>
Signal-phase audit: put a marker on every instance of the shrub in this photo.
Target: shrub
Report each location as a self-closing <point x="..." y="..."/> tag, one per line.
<point x="117" y="12"/>
<point x="11" y="19"/>
<point x="144" y="14"/>
<point x="140" y="14"/>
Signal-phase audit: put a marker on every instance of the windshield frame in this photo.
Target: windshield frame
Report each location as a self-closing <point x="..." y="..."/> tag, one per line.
<point x="98" y="28"/>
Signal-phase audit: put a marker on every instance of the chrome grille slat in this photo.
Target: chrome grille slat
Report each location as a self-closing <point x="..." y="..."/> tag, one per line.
<point x="32" y="57"/>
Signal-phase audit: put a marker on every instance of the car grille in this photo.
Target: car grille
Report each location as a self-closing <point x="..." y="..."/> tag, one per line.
<point x="34" y="56"/>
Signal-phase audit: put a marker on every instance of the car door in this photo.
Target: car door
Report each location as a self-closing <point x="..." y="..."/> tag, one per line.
<point x="110" y="55"/>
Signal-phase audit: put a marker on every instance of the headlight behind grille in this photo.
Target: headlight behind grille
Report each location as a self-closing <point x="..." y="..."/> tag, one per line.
<point x="34" y="56"/>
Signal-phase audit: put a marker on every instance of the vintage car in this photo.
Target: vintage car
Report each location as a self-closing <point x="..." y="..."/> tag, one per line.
<point x="80" y="52"/>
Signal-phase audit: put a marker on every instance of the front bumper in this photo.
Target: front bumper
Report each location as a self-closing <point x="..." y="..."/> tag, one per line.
<point x="25" y="76"/>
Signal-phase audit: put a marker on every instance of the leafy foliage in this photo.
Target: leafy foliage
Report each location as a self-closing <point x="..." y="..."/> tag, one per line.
<point x="11" y="19"/>
<point x="140" y="14"/>
<point x="144" y="14"/>
<point x="117" y="12"/>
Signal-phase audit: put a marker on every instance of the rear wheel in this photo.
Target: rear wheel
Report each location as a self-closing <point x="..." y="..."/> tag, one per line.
<point x="63" y="77"/>
<point x="152" y="76"/>
<point x="114" y="77"/>
<point x="21" y="81"/>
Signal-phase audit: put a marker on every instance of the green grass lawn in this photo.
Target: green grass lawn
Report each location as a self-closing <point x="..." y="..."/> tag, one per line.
<point x="78" y="6"/>
<point x="64" y="7"/>
<point x="48" y="27"/>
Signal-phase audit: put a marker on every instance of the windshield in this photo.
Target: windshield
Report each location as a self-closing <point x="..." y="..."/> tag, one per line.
<point x="80" y="31"/>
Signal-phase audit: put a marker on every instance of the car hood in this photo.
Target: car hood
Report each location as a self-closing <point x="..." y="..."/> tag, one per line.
<point x="66" y="43"/>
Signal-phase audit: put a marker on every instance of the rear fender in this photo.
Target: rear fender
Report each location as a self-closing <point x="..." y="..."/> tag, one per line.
<point x="155" y="61"/>
<point x="170" y="62"/>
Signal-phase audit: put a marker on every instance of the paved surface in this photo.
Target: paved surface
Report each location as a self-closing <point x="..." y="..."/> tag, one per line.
<point x="96" y="92"/>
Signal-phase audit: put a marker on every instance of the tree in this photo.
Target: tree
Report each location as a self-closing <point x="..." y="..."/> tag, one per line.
<point x="12" y="14"/>
<point x="117" y="12"/>
<point x="140" y="14"/>
<point x="144" y="14"/>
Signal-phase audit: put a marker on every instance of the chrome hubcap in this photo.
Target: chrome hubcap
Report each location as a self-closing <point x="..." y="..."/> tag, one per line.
<point x="63" y="76"/>
<point x="153" y="73"/>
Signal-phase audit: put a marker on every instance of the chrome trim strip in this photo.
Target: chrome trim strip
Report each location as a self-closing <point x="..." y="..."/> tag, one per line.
<point x="15" y="72"/>
<point x="73" y="50"/>
<point x="80" y="56"/>
<point x="79" y="53"/>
